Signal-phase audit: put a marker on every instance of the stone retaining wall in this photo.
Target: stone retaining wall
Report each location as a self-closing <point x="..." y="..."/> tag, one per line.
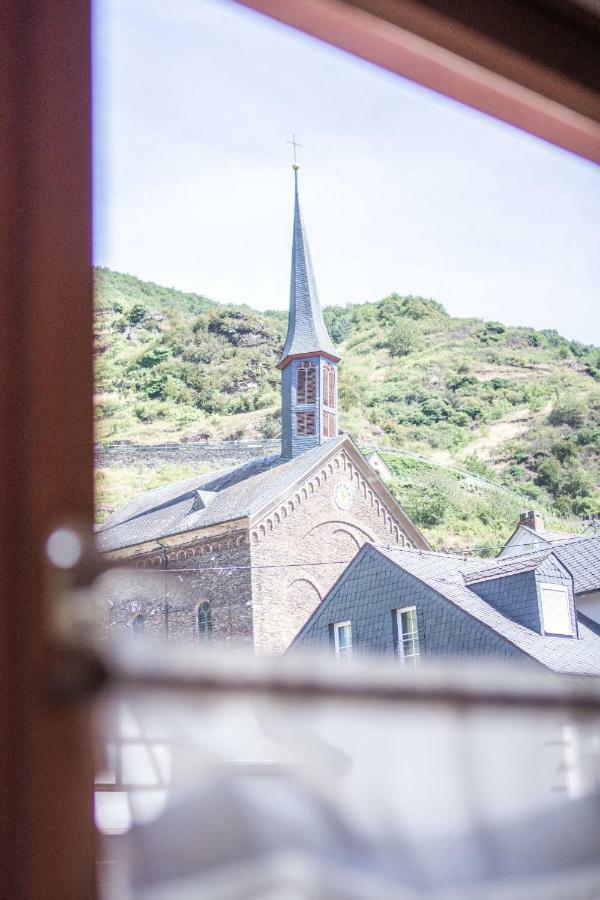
<point x="217" y="454"/>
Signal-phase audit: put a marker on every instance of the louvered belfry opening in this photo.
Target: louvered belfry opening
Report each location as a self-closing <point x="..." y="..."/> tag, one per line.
<point x="329" y="394"/>
<point x="306" y="383"/>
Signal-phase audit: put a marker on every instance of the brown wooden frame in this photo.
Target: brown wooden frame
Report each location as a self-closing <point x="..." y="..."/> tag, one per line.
<point x="534" y="64"/>
<point x="46" y="461"/>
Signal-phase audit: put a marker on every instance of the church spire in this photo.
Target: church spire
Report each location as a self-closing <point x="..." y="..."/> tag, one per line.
<point x="306" y="329"/>
<point x="309" y="359"/>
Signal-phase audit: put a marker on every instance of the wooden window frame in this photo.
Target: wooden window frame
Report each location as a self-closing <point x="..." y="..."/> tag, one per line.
<point x="534" y="65"/>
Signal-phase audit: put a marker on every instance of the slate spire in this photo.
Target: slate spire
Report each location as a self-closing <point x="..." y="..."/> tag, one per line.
<point x="307" y="333"/>
<point x="309" y="389"/>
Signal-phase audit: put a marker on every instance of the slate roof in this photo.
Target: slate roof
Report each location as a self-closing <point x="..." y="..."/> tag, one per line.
<point x="500" y="568"/>
<point x="227" y="495"/>
<point x="445" y="574"/>
<point x="307" y="332"/>
<point x="581" y="556"/>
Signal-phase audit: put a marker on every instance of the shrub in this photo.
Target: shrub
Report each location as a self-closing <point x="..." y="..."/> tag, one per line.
<point x="138" y="313"/>
<point x="568" y="412"/>
<point x="402" y="339"/>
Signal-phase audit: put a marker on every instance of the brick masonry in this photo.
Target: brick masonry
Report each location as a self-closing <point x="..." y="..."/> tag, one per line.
<point x="263" y="578"/>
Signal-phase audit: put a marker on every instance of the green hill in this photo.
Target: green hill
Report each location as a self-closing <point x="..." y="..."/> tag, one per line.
<point x="518" y="407"/>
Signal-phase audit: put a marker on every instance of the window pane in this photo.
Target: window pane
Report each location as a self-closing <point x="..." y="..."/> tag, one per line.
<point x="555" y="609"/>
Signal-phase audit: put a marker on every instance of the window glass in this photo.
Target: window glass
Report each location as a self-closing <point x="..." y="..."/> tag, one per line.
<point x="204" y="623"/>
<point x="407" y="631"/>
<point x="556" y="609"/>
<point x="138" y="624"/>
<point x="342" y="638"/>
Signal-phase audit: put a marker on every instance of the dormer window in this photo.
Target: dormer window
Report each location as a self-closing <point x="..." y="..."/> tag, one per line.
<point x="556" y="609"/>
<point x="306" y="383"/>
<point x="329" y="385"/>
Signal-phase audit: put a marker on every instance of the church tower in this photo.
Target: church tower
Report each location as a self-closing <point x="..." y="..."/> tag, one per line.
<point x="308" y="363"/>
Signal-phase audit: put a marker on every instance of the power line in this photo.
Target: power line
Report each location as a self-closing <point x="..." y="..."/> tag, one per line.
<point x="344" y="562"/>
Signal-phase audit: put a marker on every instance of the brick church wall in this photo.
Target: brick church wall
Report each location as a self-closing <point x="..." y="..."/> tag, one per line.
<point x="301" y="547"/>
<point x="214" y="569"/>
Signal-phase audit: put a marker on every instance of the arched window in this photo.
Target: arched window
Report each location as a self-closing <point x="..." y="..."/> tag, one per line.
<point x="204" y="622"/>
<point x="329" y="385"/>
<point x="138" y="625"/>
<point x="306" y="383"/>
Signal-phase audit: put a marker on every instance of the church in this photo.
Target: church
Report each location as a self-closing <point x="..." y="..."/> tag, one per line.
<point x="252" y="550"/>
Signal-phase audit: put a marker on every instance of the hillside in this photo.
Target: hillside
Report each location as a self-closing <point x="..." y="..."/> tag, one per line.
<point x="517" y="406"/>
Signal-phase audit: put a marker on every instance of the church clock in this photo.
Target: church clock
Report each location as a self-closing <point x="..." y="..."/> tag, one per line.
<point x="343" y="495"/>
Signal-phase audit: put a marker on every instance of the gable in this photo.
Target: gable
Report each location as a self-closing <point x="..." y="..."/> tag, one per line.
<point x="341" y="460"/>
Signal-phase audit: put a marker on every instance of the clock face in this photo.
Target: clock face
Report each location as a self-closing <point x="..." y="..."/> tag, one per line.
<point x="343" y="495"/>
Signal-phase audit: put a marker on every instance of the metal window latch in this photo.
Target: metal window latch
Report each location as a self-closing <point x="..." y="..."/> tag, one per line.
<point x="73" y="566"/>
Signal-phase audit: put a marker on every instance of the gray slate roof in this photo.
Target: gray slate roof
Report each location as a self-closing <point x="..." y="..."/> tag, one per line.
<point x="581" y="556"/>
<point x="226" y="495"/>
<point x="445" y="574"/>
<point x="307" y="332"/>
<point x="503" y="566"/>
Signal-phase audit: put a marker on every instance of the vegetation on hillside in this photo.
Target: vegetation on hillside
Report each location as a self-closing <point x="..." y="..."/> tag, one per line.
<point x="517" y="406"/>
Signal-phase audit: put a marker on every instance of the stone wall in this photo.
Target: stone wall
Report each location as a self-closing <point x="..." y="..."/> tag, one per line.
<point x="215" y="570"/>
<point x="215" y="454"/>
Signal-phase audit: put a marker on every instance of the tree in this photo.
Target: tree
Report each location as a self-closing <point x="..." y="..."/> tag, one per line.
<point x="402" y="339"/>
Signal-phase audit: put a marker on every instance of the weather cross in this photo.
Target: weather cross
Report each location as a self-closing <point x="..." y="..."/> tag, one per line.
<point x="295" y="144"/>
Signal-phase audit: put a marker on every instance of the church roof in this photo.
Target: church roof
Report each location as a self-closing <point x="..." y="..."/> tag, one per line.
<point x="214" y="498"/>
<point x="208" y="499"/>
<point x="307" y="332"/>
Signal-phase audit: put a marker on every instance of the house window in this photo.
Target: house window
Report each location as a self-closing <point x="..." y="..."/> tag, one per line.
<point x="329" y="385"/>
<point x="556" y="609"/>
<point x="305" y="423"/>
<point x="138" y="625"/>
<point x="342" y="638"/>
<point x="306" y="383"/>
<point x="204" y="622"/>
<point x="407" y="634"/>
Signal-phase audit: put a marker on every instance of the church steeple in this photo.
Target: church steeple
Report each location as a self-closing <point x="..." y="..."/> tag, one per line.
<point x="309" y="359"/>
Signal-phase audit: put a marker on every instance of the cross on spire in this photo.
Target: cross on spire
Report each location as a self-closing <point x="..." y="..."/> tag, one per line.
<point x="295" y="144"/>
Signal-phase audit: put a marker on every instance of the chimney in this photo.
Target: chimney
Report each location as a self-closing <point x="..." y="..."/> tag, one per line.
<point x="532" y="520"/>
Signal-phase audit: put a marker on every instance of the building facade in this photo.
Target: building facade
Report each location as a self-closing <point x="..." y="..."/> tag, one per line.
<point x="413" y="604"/>
<point x="247" y="553"/>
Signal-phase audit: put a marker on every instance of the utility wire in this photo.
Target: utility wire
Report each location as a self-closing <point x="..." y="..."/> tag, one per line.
<point x="458" y="554"/>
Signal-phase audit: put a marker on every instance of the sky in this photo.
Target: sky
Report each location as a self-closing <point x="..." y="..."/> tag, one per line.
<point x="402" y="189"/>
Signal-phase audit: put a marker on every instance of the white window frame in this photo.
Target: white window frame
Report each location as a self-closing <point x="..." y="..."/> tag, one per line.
<point x="402" y="638"/>
<point x="555" y="620"/>
<point x="339" y="649"/>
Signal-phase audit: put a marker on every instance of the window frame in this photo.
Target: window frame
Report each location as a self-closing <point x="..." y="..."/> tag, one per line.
<point x="204" y="634"/>
<point x="547" y="613"/>
<point x="400" y="637"/>
<point x="336" y="627"/>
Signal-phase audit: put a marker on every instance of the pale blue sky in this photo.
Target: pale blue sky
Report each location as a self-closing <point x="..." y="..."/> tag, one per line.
<point x="402" y="189"/>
